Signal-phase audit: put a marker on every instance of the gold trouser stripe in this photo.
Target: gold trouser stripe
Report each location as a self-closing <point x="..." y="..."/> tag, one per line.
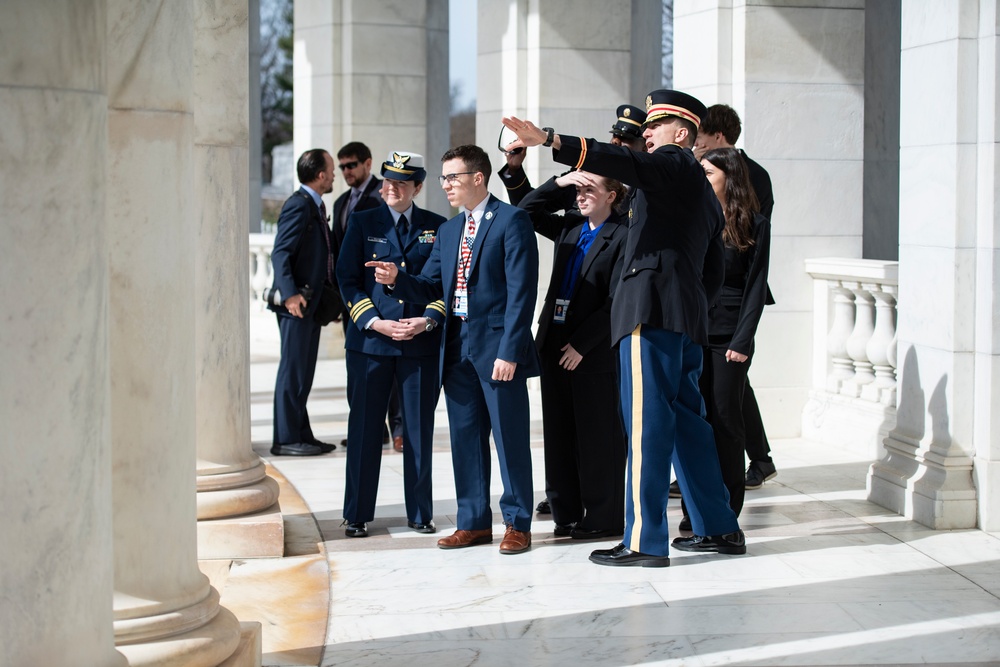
<point x="636" y="444"/>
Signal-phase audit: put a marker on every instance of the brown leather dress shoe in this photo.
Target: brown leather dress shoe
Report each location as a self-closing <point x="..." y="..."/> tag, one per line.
<point x="515" y="541"/>
<point x="466" y="538"/>
<point x="397" y="443"/>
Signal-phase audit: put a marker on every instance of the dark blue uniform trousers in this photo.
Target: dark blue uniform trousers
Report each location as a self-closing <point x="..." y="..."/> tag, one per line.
<point x="370" y="379"/>
<point x="476" y="405"/>
<point x="299" y="347"/>
<point x="665" y="421"/>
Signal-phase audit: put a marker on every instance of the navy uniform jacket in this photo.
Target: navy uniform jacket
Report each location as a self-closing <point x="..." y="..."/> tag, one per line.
<point x="300" y="252"/>
<point x="502" y="283"/>
<point x="373" y="236"/>
<point x="588" y="321"/>
<point x="674" y="258"/>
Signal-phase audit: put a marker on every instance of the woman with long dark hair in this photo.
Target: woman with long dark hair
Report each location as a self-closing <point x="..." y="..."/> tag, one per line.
<point x="733" y="318"/>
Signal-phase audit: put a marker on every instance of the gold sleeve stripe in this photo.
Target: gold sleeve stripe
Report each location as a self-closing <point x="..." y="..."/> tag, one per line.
<point x="438" y="306"/>
<point x="360" y="307"/>
<point x="511" y="187"/>
<point x="583" y="153"/>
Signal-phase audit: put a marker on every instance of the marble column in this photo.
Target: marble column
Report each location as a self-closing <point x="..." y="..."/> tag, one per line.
<point x="567" y="65"/>
<point x="232" y="481"/>
<point x="947" y="335"/>
<point x="795" y="74"/>
<point x="57" y="548"/>
<point x="375" y="72"/>
<point x="165" y="611"/>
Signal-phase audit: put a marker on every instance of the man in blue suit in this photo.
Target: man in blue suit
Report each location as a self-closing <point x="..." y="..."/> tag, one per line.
<point x="389" y="343"/>
<point x="485" y="266"/>
<point x="302" y="263"/>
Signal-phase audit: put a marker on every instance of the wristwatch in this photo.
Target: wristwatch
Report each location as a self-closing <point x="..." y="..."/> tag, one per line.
<point x="430" y="324"/>
<point x="550" y="137"/>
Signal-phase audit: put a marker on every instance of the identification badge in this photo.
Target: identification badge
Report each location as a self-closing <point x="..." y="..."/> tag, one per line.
<point x="562" y="306"/>
<point x="461" y="305"/>
<point x="377" y="239"/>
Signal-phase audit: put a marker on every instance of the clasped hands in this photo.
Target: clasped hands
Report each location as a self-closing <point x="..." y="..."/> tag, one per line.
<point x="403" y="329"/>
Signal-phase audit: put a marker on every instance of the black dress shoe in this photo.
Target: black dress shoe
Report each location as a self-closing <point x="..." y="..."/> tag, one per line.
<point x="675" y="489"/>
<point x="343" y="443"/>
<point x="428" y="527"/>
<point x="325" y="446"/>
<point x="594" y="533"/>
<point x="730" y="543"/>
<point x="622" y="556"/>
<point x="544" y="507"/>
<point x="685" y="524"/>
<point x="356" y="529"/>
<point x="296" y="449"/>
<point x="563" y="529"/>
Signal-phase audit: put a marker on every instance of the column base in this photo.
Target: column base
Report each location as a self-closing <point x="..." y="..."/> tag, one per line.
<point x="851" y="424"/>
<point x="208" y="645"/>
<point x="257" y="535"/>
<point x="249" y="652"/>
<point x="923" y="485"/>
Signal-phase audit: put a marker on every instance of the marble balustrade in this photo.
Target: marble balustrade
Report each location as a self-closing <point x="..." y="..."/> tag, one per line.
<point x="261" y="271"/>
<point x="855" y="327"/>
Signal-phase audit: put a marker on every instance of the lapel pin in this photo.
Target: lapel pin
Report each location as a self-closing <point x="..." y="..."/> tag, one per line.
<point x="489" y="215"/>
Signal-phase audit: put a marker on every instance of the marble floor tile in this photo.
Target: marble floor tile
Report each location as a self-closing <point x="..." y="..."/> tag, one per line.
<point x="829" y="578"/>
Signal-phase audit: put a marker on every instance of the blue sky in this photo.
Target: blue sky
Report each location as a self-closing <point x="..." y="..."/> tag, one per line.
<point x="462" y="48"/>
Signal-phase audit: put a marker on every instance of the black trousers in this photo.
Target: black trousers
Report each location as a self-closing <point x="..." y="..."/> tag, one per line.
<point x="757" y="446"/>
<point x="585" y="448"/>
<point x="722" y="386"/>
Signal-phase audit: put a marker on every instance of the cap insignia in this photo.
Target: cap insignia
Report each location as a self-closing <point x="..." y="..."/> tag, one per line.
<point x="399" y="161"/>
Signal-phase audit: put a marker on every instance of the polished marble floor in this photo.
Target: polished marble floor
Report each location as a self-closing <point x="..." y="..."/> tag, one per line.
<point x="829" y="579"/>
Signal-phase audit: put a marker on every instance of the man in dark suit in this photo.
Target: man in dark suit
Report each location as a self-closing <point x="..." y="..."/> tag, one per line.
<point x="584" y="436"/>
<point x="390" y="344"/>
<point x="485" y="266"/>
<point x="721" y="128"/>
<point x="673" y="267"/>
<point x="302" y="262"/>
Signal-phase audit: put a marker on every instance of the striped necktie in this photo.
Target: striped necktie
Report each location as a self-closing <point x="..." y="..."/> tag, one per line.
<point x="465" y="257"/>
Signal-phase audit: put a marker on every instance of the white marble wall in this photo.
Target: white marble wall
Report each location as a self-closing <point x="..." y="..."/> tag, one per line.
<point x="561" y="63"/>
<point x="54" y="399"/>
<point x="165" y="610"/>
<point x="795" y="74"/>
<point x="231" y="477"/>
<point x="948" y="246"/>
<point x="375" y="72"/>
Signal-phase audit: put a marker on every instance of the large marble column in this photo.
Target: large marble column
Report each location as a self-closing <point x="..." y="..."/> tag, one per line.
<point x="375" y="72"/>
<point x="232" y="481"/>
<point x="165" y="611"/>
<point x="948" y="340"/>
<point x="795" y="74"/>
<point x="56" y="551"/>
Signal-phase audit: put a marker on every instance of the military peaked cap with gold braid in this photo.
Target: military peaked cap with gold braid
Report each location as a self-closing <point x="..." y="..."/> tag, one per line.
<point x="404" y="166"/>
<point x="663" y="103"/>
<point x="629" y="123"/>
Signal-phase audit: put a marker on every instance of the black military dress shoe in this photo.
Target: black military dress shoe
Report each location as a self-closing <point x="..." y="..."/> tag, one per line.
<point x="622" y="556"/>
<point x="356" y="529"/>
<point x="296" y="449"/>
<point x="325" y="446"/>
<point x="544" y="507"/>
<point x="685" y="524"/>
<point x="428" y="527"/>
<point x="731" y="543"/>
<point x="594" y="533"/>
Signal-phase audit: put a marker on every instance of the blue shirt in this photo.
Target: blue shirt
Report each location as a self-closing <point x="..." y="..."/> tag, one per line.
<point x="587" y="236"/>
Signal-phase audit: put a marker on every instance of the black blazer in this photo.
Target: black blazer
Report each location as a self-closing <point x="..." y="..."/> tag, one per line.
<point x="370" y="198"/>
<point x="673" y="258"/>
<point x="733" y="318"/>
<point x="588" y="320"/>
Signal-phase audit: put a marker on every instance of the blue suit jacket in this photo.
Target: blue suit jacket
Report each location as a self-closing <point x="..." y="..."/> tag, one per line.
<point x="373" y="236"/>
<point x="300" y="253"/>
<point x="503" y="285"/>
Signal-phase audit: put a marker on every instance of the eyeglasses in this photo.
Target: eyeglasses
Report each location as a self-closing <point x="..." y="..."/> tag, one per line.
<point x="501" y="143"/>
<point x="453" y="178"/>
<point x="348" y="165"/>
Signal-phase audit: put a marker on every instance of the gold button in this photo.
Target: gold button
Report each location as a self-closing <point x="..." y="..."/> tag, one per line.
<point x="374" y="255"/>
<point x="401" y="301"/>
<point x="633" y="270"/>
<point x="402" y="263"/>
